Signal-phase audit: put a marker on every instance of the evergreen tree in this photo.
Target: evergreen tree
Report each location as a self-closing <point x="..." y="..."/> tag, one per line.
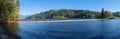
<point x="18" y="8"/>
<point x="102" y="13"/>
<point x="106" y="14"/>
<point x="18" y="4"/>
<point x="8" y="10"/>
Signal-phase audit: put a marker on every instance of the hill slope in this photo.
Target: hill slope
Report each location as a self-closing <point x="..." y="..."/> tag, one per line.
<point x="68" y="13"/>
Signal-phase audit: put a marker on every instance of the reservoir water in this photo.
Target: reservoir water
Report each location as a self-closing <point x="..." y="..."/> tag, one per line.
<point x="91" y="29"/>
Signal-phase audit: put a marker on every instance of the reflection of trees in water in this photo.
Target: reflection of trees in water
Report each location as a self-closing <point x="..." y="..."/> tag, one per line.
<point x="9" y="30"/>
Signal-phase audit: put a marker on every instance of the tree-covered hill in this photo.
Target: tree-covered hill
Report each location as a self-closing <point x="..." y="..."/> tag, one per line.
<point x="116" y="14"/>
<point x="70" y="13"/>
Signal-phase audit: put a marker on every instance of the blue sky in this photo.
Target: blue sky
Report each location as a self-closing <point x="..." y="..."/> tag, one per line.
<point x="29" y="7"/>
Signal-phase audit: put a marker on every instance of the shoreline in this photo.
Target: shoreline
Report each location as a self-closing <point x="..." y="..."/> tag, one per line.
<point x="80" y="20"/>
<point x="47" y="21"/>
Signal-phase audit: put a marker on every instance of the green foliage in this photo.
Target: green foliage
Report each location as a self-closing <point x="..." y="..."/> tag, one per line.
<point x="65" y="13"/>
<point x="116" y="14"/>
<point x="103" y="13"/>
<point x="68" y="13"/>
<point x="8" y="10"/>
<point x="106" y="14"/>
<point x="59" y="17"/>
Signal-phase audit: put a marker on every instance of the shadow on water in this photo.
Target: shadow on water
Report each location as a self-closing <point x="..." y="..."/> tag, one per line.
<point x="9" y="30"/>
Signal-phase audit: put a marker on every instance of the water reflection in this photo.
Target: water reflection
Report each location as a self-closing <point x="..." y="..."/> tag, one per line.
<point x="9" y="30"/>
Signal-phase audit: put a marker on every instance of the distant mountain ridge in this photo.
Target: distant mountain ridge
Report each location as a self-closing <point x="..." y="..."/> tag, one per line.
<point x="23" y="16"/>
<point x="69" y="13"/>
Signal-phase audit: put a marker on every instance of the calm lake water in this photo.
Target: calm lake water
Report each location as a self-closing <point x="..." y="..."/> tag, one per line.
<point x="91" y="29"/>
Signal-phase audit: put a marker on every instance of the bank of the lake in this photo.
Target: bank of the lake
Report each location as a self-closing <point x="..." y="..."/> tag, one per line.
<point x="68" y="20"/>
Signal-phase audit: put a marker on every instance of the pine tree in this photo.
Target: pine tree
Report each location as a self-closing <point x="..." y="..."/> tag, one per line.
<point x="102" y="13"/>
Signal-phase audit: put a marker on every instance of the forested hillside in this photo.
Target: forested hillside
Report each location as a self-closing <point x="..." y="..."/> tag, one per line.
<point x="116" y="14"/>
<point x="69" y="13"/>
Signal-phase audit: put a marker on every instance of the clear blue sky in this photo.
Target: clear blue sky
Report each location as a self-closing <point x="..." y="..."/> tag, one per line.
<point x="29" y="7"/>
